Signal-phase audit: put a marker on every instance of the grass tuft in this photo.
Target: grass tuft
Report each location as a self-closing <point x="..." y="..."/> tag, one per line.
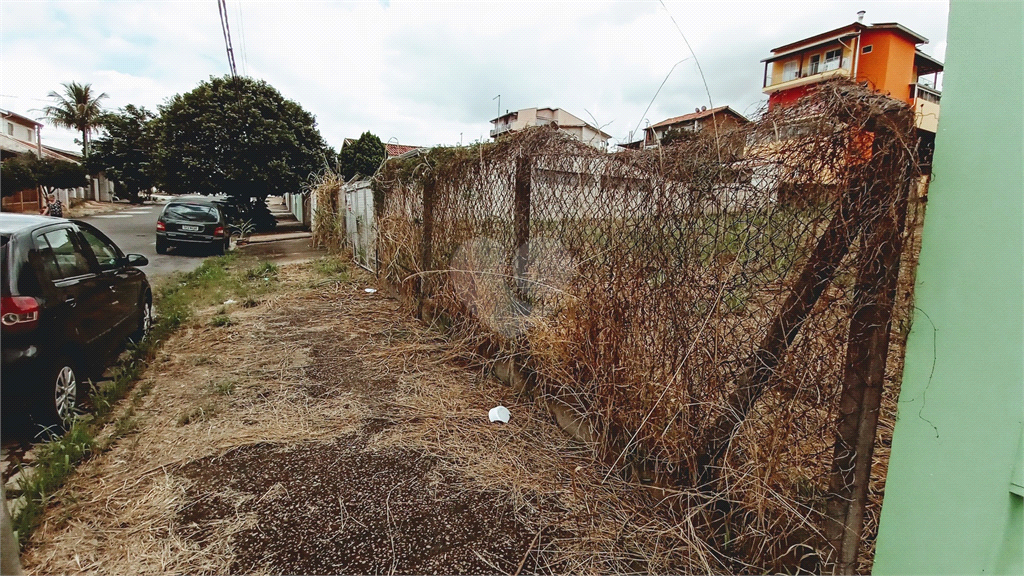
<point x="220" y="320"/>
<point x="264" y="271"/>
<point x="56" y="461"/>
<point x="197" y="414"/>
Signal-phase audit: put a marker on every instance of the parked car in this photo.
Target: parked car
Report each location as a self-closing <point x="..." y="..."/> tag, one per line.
<point x="192" y="221"/>
<point x="70" y="301"/>
<point x="252" y="214"/>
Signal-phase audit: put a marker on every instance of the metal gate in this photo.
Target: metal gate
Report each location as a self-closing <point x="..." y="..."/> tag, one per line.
<point x="360" y="224"/>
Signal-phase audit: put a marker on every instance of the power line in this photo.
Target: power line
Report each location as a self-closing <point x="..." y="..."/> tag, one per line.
<point x="670" y="70"/>
<point x="24" y="97"/>
<point x="222" y="7"/>
<point x="241" y="33"/>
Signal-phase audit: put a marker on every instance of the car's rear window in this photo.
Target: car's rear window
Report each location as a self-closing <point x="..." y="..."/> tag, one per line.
<point x="191" y="213"/>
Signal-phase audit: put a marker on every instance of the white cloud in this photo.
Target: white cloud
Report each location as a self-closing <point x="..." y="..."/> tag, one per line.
<point x="424" y="72"/>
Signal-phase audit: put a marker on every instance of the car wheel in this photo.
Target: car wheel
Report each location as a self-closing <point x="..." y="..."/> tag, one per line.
<point x="145" y="321"/>
<point x="219" y="248"/>
<point x="161" y="246"/>
<point x="60" y="396"/>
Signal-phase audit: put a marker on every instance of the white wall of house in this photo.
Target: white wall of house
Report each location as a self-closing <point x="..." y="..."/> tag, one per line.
<point x="567" y="122"/>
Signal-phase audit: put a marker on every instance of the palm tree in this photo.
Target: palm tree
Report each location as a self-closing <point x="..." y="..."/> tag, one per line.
<point x="77" y="109"/>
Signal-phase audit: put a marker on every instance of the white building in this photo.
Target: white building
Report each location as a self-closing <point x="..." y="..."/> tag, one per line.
<point x="563" y="120"/>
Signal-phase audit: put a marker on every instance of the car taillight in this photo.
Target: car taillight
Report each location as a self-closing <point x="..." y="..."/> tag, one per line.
<point x="219" y="231"/>
<point x="19" y="313"/>
<point x="160" y="226"/>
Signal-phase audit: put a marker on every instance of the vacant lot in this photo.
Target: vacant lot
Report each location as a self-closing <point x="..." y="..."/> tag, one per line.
<point x="316" y="428"/>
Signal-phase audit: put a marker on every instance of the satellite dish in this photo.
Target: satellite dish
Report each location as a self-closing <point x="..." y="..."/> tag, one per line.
<point x="703" y="108"/>
<point x="696" y="109"/>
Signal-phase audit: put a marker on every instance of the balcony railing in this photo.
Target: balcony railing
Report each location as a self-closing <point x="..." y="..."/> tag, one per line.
<point x="806" y="78"/>
<point x="926" y="93"/>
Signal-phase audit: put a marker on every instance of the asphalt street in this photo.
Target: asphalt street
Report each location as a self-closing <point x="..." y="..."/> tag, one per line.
<point x="134" y="231"/>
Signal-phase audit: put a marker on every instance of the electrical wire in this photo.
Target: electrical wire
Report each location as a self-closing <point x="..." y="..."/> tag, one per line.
<point x="241" y="33"/>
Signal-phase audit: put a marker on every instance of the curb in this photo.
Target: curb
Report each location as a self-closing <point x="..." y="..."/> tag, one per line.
<point x="277" y="237"/>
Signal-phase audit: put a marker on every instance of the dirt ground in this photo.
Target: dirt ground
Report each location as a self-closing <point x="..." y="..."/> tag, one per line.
<point x="324" y="431"/>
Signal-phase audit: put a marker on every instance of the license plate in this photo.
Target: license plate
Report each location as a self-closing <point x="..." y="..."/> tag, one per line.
<point x="188" y="228"/>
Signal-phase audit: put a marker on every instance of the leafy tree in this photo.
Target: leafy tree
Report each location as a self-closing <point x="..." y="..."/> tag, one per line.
<point x="53" y="174"/>
<point x="16" y="174"/>
<point x="236" y="136"/>
<point x="362" y="157"/>
<point x="77" y="108"/>
<point x="126" y="152"/>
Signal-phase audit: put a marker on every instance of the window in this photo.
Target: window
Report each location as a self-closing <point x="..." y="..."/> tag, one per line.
<point x="47" y="259"/>
<point x="867" y="49"/>
<point x="789" y="71"/>
<point x="192" y="213"/>
<point x="10" y="129"/>
<point x="28" y="134"/>
<point x="813" y="67"/>
<point x="62" y="257"/>
<point x="106" y="254"/>
<point x="832" y="59"/>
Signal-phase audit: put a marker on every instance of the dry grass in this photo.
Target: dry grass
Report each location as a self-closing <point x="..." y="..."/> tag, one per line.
<point x="316" y="361"/>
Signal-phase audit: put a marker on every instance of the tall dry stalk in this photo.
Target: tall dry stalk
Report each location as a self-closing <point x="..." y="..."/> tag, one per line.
<point x="327" y="224"/>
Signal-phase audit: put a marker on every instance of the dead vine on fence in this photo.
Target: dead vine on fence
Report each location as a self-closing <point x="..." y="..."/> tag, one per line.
<point x="325" y="187"/>
<point x="693" y="303"/>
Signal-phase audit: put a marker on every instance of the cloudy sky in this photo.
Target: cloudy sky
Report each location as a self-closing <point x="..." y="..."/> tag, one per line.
<point x="428" y="72"/>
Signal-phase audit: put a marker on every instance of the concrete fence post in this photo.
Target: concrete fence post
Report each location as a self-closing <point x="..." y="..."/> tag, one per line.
<point x="521" y="223"/>
<point x="881" y="245"/>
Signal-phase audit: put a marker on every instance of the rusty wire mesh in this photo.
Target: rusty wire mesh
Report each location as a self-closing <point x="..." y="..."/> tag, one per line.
<point x="640" y="287"/>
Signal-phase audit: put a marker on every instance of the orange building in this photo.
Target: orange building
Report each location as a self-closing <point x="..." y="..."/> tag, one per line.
<point x="885" y="56"/>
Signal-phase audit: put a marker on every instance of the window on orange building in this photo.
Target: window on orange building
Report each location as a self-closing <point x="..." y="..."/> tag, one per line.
<point x="832" y="58"/>
<point x="814" y="65"/>
<point x="789" y="71"/>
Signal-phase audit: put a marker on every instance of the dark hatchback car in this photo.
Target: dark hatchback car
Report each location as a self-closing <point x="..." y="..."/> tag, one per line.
<point x="70" y="301"/>
<point x="192" y="221"/>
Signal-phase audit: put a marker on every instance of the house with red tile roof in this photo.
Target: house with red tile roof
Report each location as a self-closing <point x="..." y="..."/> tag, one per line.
<point x="721" y="118"/>
<point x="391" y="150"/>
<point x="20" y="134"/>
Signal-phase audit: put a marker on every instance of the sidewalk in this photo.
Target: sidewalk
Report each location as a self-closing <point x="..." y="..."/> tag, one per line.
<point x="319" y="429"/>
<point x="92" y="208"/>
<point x="288" y="227"/>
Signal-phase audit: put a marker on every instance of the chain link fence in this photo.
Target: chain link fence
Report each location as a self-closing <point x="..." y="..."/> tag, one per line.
<point x="717" y="313"/>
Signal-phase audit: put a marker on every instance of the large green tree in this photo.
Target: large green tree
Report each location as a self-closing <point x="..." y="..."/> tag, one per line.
<point x="126" y="152"/>
<point x="16" y="174"/>
<point x="53" y="174"/>
<point x="26" y="171"/>
<point x="361" y="157"/>
<point x="77" y="108"/>
<point x="237" y="136"/>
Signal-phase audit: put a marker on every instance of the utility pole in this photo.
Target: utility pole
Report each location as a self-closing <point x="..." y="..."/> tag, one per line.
<point x="223" y="8"/>
<point x="498" y="98"/>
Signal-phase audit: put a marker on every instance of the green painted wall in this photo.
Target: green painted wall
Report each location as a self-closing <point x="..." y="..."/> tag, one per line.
<point x="950" y="504"/>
